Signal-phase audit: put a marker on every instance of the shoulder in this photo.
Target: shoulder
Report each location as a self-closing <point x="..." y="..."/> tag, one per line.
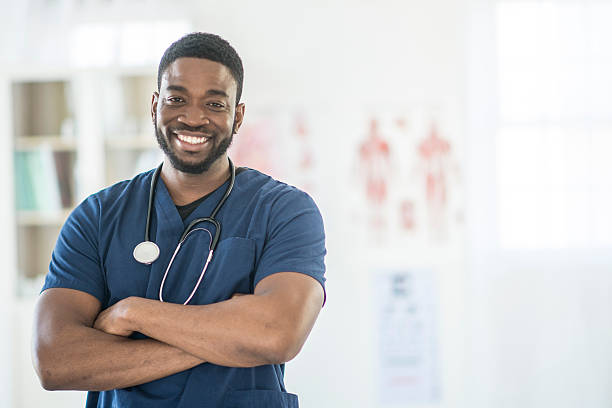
<point x="124" y="188"/>
<point x="266" y="191"/>
<point x="111" y="199"/>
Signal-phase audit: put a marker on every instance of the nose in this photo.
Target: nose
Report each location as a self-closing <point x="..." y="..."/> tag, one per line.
<point x="193" y="116"/>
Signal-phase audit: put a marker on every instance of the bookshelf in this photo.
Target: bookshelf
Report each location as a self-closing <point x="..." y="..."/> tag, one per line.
<point x="129" y="138"/>
<point x="43" y="158"/>
<point x="71" y="134"/>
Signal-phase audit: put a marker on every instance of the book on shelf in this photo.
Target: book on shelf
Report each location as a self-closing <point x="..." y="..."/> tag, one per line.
<point x="24" y="190"/>
<point x="64" y="170"/>
<point x="44" y="180"/>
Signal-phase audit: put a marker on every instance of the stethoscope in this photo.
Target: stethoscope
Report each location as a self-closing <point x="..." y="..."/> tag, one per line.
<point x="147" y="251"/>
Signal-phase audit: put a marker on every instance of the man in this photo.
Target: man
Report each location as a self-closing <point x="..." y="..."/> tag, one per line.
<point x="101" y="324"/>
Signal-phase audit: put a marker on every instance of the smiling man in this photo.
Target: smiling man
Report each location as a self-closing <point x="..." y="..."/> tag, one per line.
<point x="230" y="290"/>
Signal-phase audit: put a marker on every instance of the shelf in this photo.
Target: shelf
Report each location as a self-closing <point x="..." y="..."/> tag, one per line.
<point x="71" y="135"/>
<point x="42" y="218"/>
<point x="41" y="108"/>
<point x="54" y="142"/>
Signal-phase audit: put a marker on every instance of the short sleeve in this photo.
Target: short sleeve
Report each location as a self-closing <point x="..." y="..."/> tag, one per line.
<point x="75" y="263"/>
<point x="296" y="239"/>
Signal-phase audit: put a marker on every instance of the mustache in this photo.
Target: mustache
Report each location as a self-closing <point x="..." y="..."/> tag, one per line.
<point x="198" y="129"/>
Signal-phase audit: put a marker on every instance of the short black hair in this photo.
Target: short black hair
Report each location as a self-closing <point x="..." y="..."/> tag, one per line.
<point x="207" y="46"/>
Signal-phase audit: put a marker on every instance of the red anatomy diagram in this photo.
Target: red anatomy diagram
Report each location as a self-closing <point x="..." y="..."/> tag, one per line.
<point x="305" y="162"/>
<point x="434" y="153"/>
<point x="374" y="155"/>
<point x="433" y="160"/>
<point x="375" y="171"/>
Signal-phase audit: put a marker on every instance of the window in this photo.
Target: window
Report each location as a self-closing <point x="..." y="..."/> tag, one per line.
<point x="554" y="136"/>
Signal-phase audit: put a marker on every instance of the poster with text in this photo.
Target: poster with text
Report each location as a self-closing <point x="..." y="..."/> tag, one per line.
<point x="406" y="324"/>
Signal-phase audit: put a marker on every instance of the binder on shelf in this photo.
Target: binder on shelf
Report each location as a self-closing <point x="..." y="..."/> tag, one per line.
<point x="23" y="183"/>
<point x="43" y="180"/>
<point x="46" y="190"/>
<point x="64" y="165"/>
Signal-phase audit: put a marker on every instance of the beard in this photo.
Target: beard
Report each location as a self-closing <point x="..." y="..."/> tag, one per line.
<point x="192" y="167"/>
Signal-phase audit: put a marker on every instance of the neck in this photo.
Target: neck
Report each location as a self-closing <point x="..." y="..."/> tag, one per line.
<point x="185" y="188"/>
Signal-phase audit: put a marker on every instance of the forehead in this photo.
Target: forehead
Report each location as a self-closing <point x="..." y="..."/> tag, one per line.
<point x="199" y="75"/>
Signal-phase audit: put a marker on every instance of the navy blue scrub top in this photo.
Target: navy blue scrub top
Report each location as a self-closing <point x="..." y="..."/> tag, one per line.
<point x="267" y="227"/>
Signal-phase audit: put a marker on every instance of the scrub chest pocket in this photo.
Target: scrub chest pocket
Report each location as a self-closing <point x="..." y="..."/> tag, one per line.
<point x="230" y="271"/>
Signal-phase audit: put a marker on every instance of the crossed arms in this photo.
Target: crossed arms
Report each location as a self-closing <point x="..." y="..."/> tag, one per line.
<point x="77" y="347"/>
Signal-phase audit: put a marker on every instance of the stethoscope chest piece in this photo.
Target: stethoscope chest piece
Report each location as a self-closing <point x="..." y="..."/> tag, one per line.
<point x="146" y="252"/>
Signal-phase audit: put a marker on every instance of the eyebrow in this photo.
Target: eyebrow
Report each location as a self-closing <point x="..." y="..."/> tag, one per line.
<point x="177" y="88"/>
<point x="213" y="92"/>
<point x="217" y="92"/>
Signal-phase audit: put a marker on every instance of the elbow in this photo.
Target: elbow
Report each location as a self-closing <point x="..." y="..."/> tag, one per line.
<point x="47" y="384"/>
<point x="47" y="375"/>
<point x="46" y="378"/>
<point x="50" y="379"/>
<point x="283" y="348"/>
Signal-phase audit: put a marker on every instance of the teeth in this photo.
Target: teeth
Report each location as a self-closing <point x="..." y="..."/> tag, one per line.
<point x="192" y="139"/>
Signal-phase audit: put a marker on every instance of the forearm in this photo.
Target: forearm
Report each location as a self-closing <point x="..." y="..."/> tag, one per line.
<point x="83" y="358"/>
<point x="235" y="333"/>
<point x="267" y="327"/>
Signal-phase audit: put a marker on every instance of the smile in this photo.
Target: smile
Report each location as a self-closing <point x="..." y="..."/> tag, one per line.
<point x="194" y="140"/>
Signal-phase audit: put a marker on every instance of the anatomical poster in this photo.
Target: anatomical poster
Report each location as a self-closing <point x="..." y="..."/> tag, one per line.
<point x="406" y="178"/>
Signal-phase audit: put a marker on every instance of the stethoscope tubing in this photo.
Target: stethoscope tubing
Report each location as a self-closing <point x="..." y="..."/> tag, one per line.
<point x="210" y="219"/>
<point x="190" y="228"/>
<point x="197" y="285"/>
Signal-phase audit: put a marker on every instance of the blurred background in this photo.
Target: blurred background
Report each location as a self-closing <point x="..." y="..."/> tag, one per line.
<point x="458" y="150"/>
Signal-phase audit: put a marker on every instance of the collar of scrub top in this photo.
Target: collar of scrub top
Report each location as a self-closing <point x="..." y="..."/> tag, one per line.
<point x="147" y="251"/>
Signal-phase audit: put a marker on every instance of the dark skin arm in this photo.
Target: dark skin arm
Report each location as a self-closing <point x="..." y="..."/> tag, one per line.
<point x="68" y="353"/>
<point x="268" y="327"/>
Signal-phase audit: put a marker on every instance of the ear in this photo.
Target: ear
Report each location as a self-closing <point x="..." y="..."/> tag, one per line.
<point x="238" y="117"/>
<point x="154" y="100"/>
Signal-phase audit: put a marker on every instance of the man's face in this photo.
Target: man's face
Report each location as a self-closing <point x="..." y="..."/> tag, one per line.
<point x="195" y="113"/>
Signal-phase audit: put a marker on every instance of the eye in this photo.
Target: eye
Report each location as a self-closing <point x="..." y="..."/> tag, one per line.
<point x="174" y="99"/>
<point x="216" y="106"/>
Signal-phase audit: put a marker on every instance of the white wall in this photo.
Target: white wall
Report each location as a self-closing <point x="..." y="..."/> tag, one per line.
<point x="7" y="289"/>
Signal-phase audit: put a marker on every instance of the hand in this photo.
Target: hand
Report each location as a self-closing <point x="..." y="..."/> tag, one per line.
<point x="114" y="320"/>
